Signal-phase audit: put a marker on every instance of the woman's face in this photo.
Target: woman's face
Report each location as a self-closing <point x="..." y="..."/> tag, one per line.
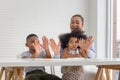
<point x="76" y="23"/>
<point x="73" y="43"/>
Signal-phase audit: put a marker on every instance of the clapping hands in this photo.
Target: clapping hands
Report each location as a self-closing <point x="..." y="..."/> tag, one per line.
<point x="85" y="44"/>
<point x="55" y="47"/>
<point x="37" y="48"/>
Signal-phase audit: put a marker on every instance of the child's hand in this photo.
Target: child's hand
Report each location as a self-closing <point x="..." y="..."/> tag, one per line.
<point x="38" y="48"/>
<point x="45" y="42"/>
<point x="46" y="47"/>
<point x="55" y="47"/>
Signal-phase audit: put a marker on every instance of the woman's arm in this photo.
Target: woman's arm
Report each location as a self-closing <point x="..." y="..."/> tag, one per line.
<point x="87" y="46"/>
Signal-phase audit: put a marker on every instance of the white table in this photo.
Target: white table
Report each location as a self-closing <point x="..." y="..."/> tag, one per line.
<point x="101" y="63"/>
<point x="9" y="62"/>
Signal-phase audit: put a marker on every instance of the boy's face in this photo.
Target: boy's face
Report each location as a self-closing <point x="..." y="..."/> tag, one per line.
<point x="73" y="43"/>
<point x="31" y="42"/>
<point x="76" y="23"/>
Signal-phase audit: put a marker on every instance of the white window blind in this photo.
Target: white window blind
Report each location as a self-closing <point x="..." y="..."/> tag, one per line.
<point x="18" y="18"/>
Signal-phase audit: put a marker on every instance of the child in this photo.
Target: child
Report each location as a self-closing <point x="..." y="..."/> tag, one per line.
<point x="71" y="48"/>
<point x="36" y="51"/>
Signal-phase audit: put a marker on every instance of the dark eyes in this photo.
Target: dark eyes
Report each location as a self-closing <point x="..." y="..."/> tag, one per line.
<point x="73" y="42"/>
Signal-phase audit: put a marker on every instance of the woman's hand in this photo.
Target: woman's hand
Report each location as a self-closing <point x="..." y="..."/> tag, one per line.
<point x="85" y="44"/>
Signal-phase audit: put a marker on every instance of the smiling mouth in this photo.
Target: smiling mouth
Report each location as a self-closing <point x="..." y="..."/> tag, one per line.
<point x="75" y="28"/>
<point x="73" y="48"/>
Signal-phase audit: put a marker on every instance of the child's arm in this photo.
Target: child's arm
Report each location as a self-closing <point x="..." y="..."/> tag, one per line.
<point x="65" y="54"/>
<point x="35" y="51"/>
<point x="38" y="48"/>
<point x="46" y="47"/>
<point x="48" y="55"/>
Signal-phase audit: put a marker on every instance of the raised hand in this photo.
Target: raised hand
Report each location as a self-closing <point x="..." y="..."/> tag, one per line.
<point x="45" y="42"/>
<point x="55" y="47"/>
<point x="37" y="47"/>
<point x="46" y="46"/>
<point x="85" y="44"/>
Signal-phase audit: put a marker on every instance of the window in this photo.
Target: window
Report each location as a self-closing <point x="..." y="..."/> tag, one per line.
<point x="116" y="33"/>
<point x="117" y="2"/>
<point x="118" y="29"/>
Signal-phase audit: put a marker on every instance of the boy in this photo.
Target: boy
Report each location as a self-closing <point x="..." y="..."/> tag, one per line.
<point x="36" y="51"/>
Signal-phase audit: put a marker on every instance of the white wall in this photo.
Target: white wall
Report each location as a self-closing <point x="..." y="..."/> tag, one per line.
<point x="50" y="18"/>
<point x="18" y="18"/>
<point x="98" y="26"/>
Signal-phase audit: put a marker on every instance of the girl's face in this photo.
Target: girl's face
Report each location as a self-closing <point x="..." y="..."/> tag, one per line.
<point x="73" y="43"/>
<point x="76" y="23"/>
<point x="31" y="42"/>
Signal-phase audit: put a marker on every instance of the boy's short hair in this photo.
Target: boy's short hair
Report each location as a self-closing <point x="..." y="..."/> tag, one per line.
<point x="31" y="35"/>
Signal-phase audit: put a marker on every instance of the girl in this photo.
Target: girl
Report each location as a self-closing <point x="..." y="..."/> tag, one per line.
<point x="71" y="49"/>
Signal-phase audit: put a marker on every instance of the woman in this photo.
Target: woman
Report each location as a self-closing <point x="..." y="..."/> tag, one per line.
<point x="77" y="22"/>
